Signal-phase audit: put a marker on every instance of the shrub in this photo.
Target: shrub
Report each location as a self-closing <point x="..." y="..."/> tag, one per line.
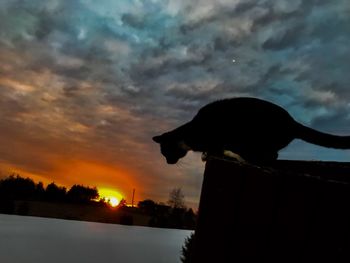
<point x="188" y="249"/>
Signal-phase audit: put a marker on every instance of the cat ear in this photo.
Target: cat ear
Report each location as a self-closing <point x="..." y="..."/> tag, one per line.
<point x="157" y="139"/>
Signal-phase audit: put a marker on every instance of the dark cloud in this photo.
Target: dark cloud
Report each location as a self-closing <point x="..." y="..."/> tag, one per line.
<point x="285" y="39"/>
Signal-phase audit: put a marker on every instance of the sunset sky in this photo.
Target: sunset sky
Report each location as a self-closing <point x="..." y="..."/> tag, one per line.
<point x="85" y="84"/>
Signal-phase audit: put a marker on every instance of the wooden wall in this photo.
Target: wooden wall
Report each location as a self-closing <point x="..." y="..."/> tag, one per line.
<point x="290" y="211"/>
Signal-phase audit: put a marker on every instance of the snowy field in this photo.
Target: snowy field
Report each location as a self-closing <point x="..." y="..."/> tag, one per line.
<point x="33" y="239"/>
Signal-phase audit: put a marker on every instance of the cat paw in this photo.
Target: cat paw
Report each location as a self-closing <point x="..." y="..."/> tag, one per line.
<point x="235" y="156"/>
<point x="204" y="156"/>
<point x="226" y="154"/>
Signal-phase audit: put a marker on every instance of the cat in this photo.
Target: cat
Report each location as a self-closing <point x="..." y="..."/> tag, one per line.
<point x="254" y="129"/>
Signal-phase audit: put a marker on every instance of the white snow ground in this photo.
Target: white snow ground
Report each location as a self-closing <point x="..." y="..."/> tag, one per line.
<point x="34" y="239"/>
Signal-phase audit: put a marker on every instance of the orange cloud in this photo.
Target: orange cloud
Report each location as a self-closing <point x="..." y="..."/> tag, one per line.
<point x="16" y="85"/>
<point x="8" y="169"/>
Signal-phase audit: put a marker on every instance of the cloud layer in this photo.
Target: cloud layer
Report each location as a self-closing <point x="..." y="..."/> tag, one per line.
<point x="93" y="81"/>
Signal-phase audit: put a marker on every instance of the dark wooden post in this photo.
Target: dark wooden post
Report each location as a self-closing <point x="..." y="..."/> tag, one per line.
<point x="292" y="211"/>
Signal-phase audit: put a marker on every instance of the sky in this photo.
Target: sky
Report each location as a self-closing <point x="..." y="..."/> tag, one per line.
<point x="84" y="84"/>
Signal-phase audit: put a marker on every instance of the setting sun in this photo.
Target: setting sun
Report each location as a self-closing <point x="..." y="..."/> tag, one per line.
<point x="113" y="201"/>
<point x="113" y="197"/>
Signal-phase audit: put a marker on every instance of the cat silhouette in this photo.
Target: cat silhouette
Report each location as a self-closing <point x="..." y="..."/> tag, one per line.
<point x="252" y="128"/>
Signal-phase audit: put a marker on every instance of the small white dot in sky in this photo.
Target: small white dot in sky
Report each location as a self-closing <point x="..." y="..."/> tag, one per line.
<point x="233" y="60"/>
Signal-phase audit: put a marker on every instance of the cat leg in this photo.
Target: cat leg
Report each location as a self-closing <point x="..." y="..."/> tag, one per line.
<point x="232" y="155"/>
<point x="222" y="154"/>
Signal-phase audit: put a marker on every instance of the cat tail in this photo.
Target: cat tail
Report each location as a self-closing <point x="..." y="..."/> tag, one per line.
<point x="323" y="139"/>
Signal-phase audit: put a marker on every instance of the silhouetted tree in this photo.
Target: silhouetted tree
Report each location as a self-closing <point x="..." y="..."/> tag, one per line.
<point x="17" y="188"/>
<point x="176" y="218"/>
<point x="102" y="202"/>
<point x="176" y="198"/>
<point x="161" y="216"/>
<point x="189" y="219"/>
<point x="188" y="249"/>
<point x="40" y="191"/>
<point x="55" y="193"/>
<point x="82" y="194"/>
<point x="147" y="206"/>
<point x="122" y="203"/>
<point x="168" y="216"/>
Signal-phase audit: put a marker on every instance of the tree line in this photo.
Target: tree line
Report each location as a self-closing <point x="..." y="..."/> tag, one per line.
<point x="16" y="187"/>
<point x="173" y="214"/>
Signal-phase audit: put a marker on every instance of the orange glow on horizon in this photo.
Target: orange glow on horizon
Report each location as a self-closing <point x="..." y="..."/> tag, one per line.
<point x="7" y="170"/>
<point x="112" y="197"/>
<point x="112" y="182"/>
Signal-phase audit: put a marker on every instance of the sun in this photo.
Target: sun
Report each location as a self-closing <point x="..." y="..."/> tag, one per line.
<point x="111" y="196"/>
<point x="113" y="201"/>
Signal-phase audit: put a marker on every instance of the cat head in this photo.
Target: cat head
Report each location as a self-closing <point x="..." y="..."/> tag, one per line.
<point x="171" y="148"/>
